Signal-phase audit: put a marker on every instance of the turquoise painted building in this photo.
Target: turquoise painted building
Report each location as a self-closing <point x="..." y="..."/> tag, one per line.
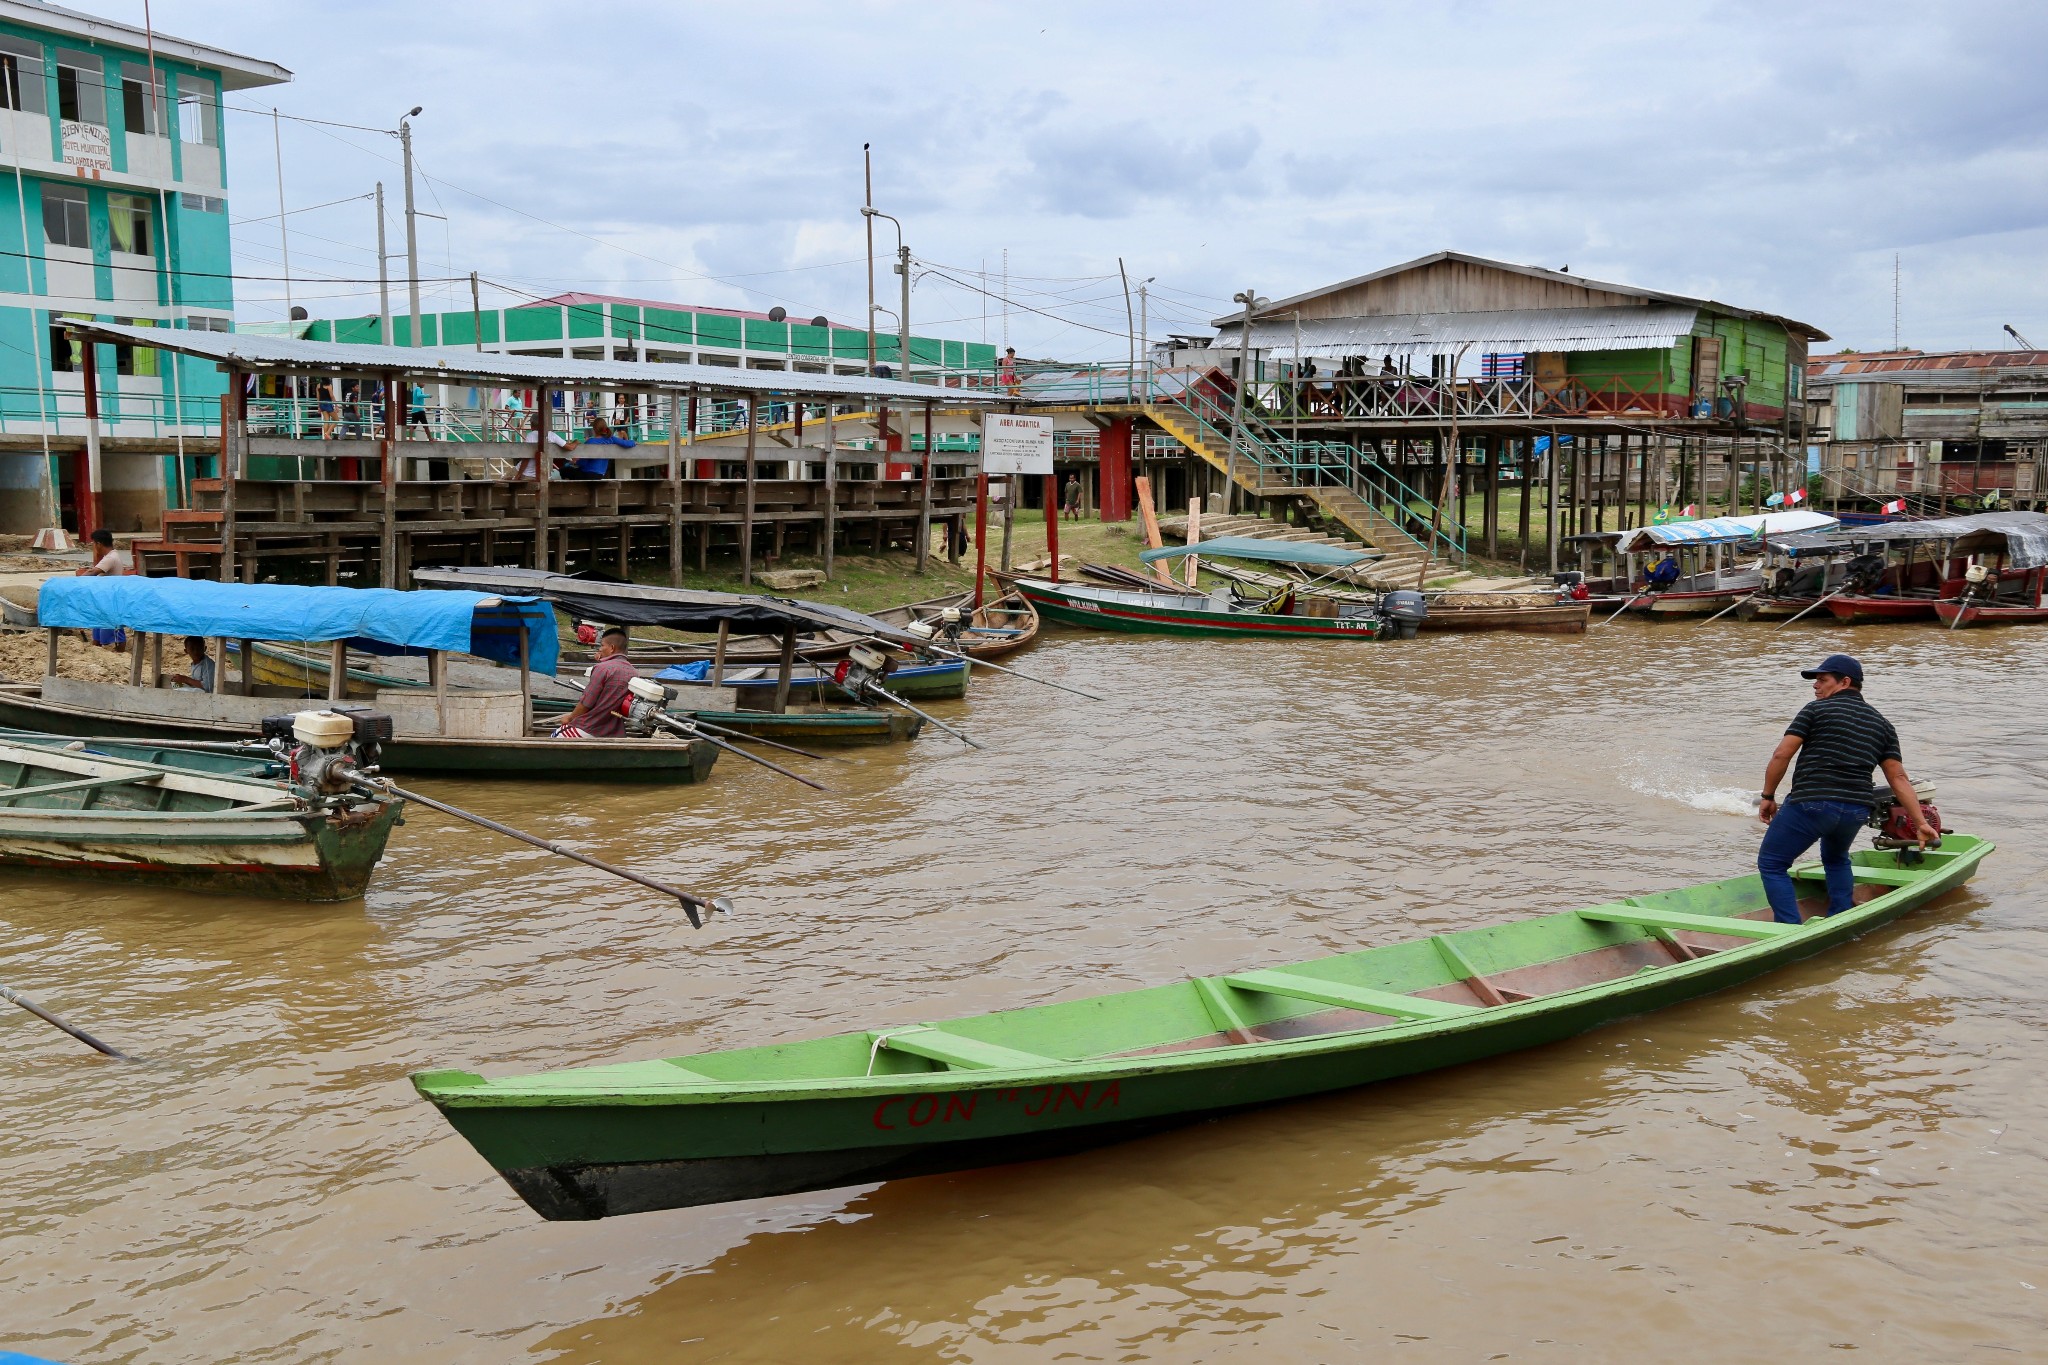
<point x="113" y="206"/>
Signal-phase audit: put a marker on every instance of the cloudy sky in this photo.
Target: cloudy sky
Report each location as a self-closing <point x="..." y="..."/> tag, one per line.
<point x="1772" y="155"/>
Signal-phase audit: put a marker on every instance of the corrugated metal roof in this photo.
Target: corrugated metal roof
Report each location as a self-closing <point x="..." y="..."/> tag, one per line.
<point x="1916" y="363"/>
<point x="1274" y="309"/>
<point x="455" y="363"/>
<point x="1506" y="331"/>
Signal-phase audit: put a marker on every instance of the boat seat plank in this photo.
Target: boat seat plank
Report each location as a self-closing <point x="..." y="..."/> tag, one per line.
<point x="1224" y="1015"/>
<point x="1866" y="876"/>
<point x="84" y="784"/>
<point x="961" y="1053"/>
<point x="1348" y="997"/>
<point x="1644" y="917"/>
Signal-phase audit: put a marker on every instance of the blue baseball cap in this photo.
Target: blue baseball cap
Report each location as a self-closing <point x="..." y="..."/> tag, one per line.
<point x="1841" y="665"/>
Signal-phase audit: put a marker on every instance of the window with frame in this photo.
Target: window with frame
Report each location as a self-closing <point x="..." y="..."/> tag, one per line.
<point x="205" y="324"/>
<point x="66" y="355"/>
<point x="137" y="360"/>
<point x="142" y="99"/>
<point x="198" y="118"/>
<point x="21" y="75"/>
<point x="128" y="224"/>
<point x="81" y="88"/>
<point x="67" y="221"/>
<point x="202" y="203"/>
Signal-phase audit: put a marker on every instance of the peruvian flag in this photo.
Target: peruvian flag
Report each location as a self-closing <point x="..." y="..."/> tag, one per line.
<point x="1796" y="495"/>
<point x="1897" y="505"/>
<point x="1690" y="510"/>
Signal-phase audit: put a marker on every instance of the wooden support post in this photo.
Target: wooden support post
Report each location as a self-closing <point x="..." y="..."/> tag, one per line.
<point x="88" y="486"/>
<point x="1052" y="525"/>
<point x="1493" y="497"/>
<point x="437" y="669"/>
<point x="50" y="665"/>
<point x="135" y="659"/>
<point x="1550" y="499"/>
<point x="675" y="490"/>
<point x="525" y="683"/>
<point x="156" y="660"/>
<point x="980" y="536"/>
<point x="718" y="654"/>
<point x="234" y="435"/>
<point x="785" y="667"/>
<point x="543" y="467"/>
<point x="387" y="456"/>
<point x="831" y="483"/>
<point x="747" y="521"/>
<point x="924" y="494"/>
<point x="337" y="670"/>
<point x="245" y="651"/>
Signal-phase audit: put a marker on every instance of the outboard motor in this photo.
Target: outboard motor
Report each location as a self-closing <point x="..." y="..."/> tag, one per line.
<point x="863" y="664"/>
<point x="329" y="752"/>
<point x="1863" y="573"/>
<point x="1978" y="585"/>
<point x="1404" y="612"/>
<point x="645" y="700"/>
<point x="1893" y="823"/>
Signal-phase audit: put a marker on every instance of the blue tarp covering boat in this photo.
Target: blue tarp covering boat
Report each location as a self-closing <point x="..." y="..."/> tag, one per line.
<point x="1268" y="551"/>
<point x="375" y="620"/>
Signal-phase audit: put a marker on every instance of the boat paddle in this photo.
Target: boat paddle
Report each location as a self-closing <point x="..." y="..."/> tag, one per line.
<point x="1732" y="606"/>
<point x="709" y="729"/>
<point x="1624" y="607"/>
<point x="1015" y="673"/>
<point x="886" y="695"/>
<point x="1811" y="605"/>
<point x="691" y="903"/>
<point x="13" y="997"/>
<point x="690" y="731"/>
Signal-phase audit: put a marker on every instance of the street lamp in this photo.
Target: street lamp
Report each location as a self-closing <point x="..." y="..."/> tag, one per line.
<point x="903" y="313"/>
<point x="412" y="236"/>
<point x="1252" y="303"/>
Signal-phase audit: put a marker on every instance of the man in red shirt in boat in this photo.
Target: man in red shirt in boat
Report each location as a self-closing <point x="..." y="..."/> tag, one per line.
<point x="599" y="713"/>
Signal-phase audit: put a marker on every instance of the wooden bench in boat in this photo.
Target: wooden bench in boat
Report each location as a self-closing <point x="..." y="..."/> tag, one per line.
<point x="1647" y="917"/>
<point x="1865" y="876"/>
<point x="143" y="779"/>
<point x="958" y="1052"/>
<point x="1364" y="998"/>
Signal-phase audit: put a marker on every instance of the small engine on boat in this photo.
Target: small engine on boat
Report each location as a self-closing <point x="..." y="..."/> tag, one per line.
<point x="863" y="664"/>
<point x="1404" y="611"/>
<point x="1862" y="574"/>
<point x="1978" y="584"/>
<point x="1893" y="823"/>
<point x="329" y="752"/>
<point x="646" y="699"/>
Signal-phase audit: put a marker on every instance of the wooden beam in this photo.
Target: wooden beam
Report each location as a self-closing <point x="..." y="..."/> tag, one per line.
<point x="1643" y="917"/>
<point x="955" y="1050"/>
<point x="1221" y="1012"/>
<point x="142" y="779"/>
<point x="1349" y="997"/>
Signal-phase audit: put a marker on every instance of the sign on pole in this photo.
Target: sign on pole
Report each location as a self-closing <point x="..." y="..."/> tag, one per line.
<point x="1015" y="444"/>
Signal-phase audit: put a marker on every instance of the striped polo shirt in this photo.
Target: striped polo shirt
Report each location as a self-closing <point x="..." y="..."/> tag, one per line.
<point x="1842" y="739"/>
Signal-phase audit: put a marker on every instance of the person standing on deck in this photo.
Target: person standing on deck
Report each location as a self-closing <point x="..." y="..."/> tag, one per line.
<point x="1839" y="739"/>
<point x="110" y="562"/>
<point x="1070" y="509"/>
<point x="597" y="714"/>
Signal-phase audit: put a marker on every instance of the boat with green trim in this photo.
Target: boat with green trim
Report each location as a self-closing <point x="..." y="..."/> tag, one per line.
<point x="1222" y="612"/>
<point x="813" y="683"/>
<point x="911" y="1098"/>
<point x="474" y="731"/>
<point x="95" y="811"/>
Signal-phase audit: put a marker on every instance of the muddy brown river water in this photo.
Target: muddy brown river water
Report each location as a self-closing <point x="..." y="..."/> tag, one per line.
<point x="1844" y="1156"/>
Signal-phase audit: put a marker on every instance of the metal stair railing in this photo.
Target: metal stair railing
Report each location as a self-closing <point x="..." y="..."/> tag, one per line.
<point x="1308" y="464"/>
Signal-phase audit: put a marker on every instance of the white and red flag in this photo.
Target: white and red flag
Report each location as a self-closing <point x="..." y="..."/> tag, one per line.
<point x="1896" y="505"/>
<point x="1796" y="495"/>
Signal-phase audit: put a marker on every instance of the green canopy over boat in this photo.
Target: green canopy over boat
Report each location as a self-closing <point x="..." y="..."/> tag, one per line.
<point x="910" y="1098"/>
<point x="1266" y="551"/>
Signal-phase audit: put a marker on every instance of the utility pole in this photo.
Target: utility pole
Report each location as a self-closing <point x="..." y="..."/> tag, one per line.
<point x="412" y="236"/>
<point x="903" y="313"/>
<point x="1145" y="331"/>
<point x="1131" y="330"/>
<point x="383" y="276"/>
<point x="476" y="311"/>
<point x="284" y="240"/>
<point x="868" y="217"/>
<point x="1250" y="299"/>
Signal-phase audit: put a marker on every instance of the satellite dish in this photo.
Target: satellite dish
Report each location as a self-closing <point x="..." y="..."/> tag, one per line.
<point x="819" y="321"/>
<point x="777" y="313"/>
<point x="298" y="314"/>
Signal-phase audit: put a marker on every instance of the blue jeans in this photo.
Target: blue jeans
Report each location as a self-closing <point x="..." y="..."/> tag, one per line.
<point x="1792" y="831"/>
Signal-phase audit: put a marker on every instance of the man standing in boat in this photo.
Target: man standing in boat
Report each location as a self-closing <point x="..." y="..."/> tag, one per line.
<point x="1839" y="740"/>
<point x="597" y="714"/>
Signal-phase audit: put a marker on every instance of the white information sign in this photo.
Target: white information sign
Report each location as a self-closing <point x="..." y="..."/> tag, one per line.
<point x="87" y="145"/>
<point x="1015" y="444"/>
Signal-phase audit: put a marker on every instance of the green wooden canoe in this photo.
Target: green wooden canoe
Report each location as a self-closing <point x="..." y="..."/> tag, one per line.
<point x="916" y="1098"/>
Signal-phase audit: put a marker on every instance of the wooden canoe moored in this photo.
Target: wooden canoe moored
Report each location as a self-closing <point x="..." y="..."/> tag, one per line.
<point x="176" y="824"/>
<point x="916" y="1098"/>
